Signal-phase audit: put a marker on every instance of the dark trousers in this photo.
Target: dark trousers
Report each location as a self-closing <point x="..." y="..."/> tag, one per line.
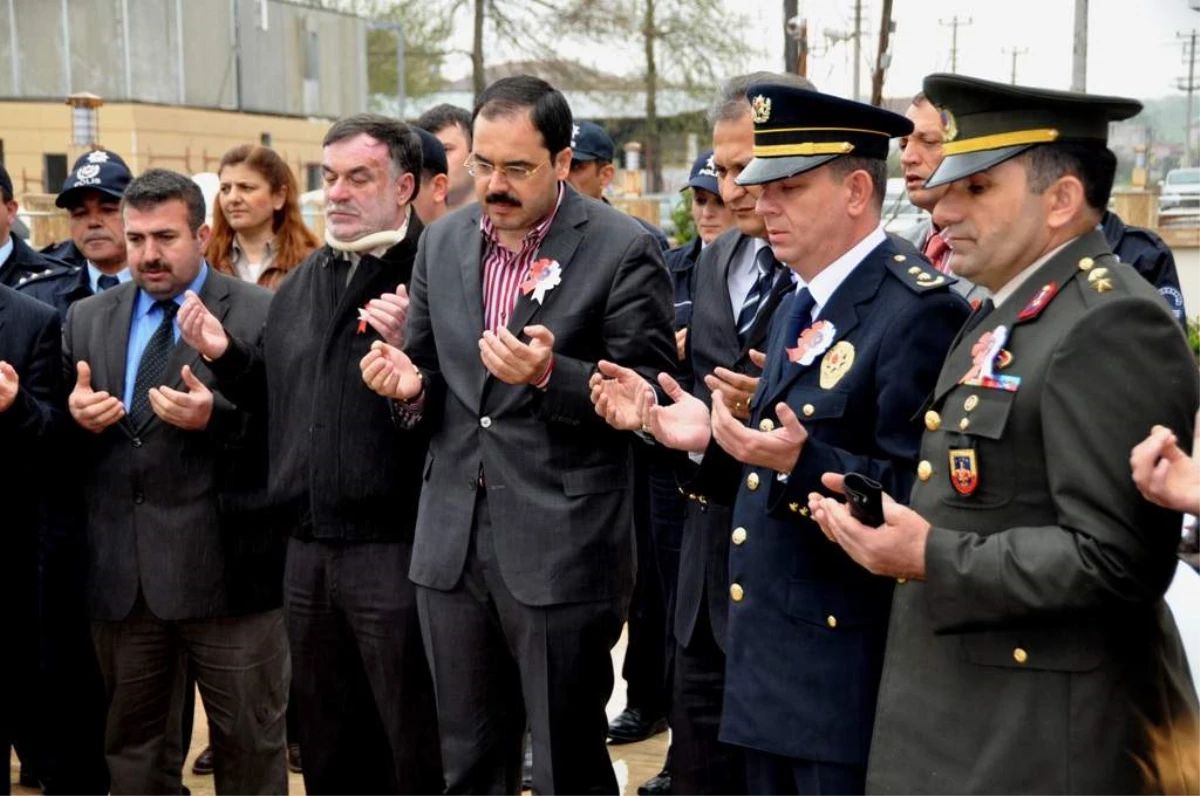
<point x="488" y="650"/>
<point x="242" y="670"/>
<point x="787" y="776"/>
<point x="366" y="721"/>
<point x="700" y="763"/>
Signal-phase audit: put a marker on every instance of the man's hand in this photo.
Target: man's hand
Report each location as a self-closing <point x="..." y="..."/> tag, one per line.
<point x="514" y="362"/>
<point x="200" y="329"/>
<point x="736" y="390"/>
<point x="619" y="395"/>
<point x="895" y="549"/>
<point x="388" y="371"/>
<point x="1164" y="474"/>
<point x="9" y="384"/>
<point x="778" y="449"/>
<point x="190" y="410"/>
<point x="681" y="343"/>
<point x="758" y="358"/>
<point x="94" y="411"/>
<point x="682" y="426"/>
<point x="387" y="314"/>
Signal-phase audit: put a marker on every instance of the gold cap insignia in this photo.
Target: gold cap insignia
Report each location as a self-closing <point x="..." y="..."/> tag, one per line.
<point x="949" y="125"/>
<point x="760" y="109"/>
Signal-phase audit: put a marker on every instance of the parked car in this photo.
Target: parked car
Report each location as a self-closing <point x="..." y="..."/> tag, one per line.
<point x="1180" y="190"/>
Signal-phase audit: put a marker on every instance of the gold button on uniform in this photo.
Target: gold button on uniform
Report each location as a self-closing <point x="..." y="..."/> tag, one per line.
<point x="964" y="424"/>
<point x="752" y="481"/>
<point x="1086" y="264"/>
<point x="831" y="620"/>
<point x="899" y="258"/>
<point x="739" y="535"/>
<point x="902" y="581"/>
<point x="766" y="425"/>
<point x="924" y="471"/>
<point x="1020" y="655"/>
<point x="808" y="410"/>
<point x="735" y="592"/>
<point x="971" y="402"/>
<point x="933" y="421"/>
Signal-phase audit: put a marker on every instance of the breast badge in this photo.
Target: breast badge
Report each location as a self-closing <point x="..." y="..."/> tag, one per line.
<point x="835" y="364"/>
<point x="964" y="470"/>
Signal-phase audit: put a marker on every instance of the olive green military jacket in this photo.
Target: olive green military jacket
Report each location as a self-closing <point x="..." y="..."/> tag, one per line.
<point x="1038" y="655"/>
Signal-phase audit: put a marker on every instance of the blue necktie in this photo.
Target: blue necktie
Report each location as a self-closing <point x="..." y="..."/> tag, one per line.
<point x="799" y="316"/>
<point x="106" y="281"/>
<point x="768" y="269"/>
<point x="152" y="368"/>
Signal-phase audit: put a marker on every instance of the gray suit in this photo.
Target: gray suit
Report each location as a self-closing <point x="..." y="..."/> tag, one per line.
<point x="524" y="583"/>
<point x="159" y="562"/>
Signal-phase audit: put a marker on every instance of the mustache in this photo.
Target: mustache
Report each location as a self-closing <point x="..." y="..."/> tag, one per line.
<point x="99" y="236"/>
<point x="502" y="199"/>
<point x="152" y="267"/>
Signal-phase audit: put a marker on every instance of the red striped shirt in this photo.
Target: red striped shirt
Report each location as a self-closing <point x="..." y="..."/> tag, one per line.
<point x="504" y="270"/>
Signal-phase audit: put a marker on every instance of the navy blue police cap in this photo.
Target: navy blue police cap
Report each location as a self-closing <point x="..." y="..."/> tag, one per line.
<point x="986" y="123"/>
<point x="590" y="141"/>
<point x="704" y="174"/>
<point x="797" y="130"/>
<point x="433" y="154"/>
<point x="99" y="170"/>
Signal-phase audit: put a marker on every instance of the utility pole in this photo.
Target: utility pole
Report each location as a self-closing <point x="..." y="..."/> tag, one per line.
<point x="954" y="25"/>
<point x="1189" y="85"/>
<point x="1079" y="58"/>
<point x="884" y="58"/>
<point x="857" y="45"/>
<point x="791" y="59"/>
<point x="1015" y="52"/>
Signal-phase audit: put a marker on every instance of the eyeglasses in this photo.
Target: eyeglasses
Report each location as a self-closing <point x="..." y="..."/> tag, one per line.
<point x="513" y="173"/>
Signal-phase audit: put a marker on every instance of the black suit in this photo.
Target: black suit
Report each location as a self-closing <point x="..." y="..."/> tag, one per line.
<point x="347" y="483"/>
<point x="160" y="562"/>
<point x="30" y="342"/>
<point x="523" y="584"/>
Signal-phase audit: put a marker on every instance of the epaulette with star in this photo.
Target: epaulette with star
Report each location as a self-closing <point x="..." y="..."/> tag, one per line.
<point x="43" y="275"/>
<point x="917" y="275"/>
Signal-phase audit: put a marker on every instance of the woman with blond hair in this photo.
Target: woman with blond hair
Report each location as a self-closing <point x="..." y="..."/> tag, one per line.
<point x="258" y="232"/>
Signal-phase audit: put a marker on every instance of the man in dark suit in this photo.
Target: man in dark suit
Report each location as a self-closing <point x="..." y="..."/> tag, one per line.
<point x="524" y="549"/>
<point x="345" y="481"/>
<point x="159" y="570"/>
<point x="30" y="398"/>
<point x="1030" y="650"/>
<point x="851" y="357"/>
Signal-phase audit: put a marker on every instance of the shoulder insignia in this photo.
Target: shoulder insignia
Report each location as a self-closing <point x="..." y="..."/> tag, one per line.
<point x="1039" y="302"/>
<point x="916" y="274"/>
<point x="46" y="275"/>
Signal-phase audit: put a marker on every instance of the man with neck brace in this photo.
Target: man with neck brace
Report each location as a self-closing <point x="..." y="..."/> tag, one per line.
<point x="345" y="483"/>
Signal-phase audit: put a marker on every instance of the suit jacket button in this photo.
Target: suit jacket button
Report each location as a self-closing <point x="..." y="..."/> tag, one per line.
<point x="831" y="620"/>
<point x="485" y="421"/>
<point x="139" y="498"/>
<point x="1020" y="655"/>
<point x="766" y="425"/>
<point x="739" y="535"/>
<point x="137" y="442"/>
<point x="752" y="481"/>
<point x="933" y="421"/>
<point x="736" y="593"/>
<point x="808" y="410"/>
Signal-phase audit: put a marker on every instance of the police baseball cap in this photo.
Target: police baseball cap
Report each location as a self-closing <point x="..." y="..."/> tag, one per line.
<point x="591" y="142"/>
<point x="433" y="154"/>
<point x="6" y="183"/>
<point x="797" y="130"/>
<point x="986" y="123"/>
<point x="704" y="174"/>
<point x="99" y="170"/>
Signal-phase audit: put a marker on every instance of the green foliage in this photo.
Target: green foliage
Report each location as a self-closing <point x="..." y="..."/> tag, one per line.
<point x="681" y="219"/>
<point x="1193" y="336"/>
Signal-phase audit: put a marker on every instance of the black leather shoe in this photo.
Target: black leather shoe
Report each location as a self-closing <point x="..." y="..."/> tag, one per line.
<point x="293" y="758"/>
<point x="632" y="725"/>
<point x="203" y="765"/>
<point x="657" y="785"/>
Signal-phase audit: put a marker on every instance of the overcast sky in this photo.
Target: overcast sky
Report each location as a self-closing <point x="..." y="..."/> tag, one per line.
<point x="1132" y="44"/>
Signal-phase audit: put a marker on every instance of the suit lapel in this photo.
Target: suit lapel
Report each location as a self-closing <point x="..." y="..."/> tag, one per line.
<point x="560" y="245"/>
<point x="215" y="295"/>
<point x="762" y="322"/>
<point x="842" y="311"/>
<point x="115" y="343"/>
<point x="472" y="271"/>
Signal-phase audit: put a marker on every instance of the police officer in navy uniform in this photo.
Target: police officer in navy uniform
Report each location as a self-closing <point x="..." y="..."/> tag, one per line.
<point x="1030" y="650"/>
<point x="94" y="256"/>
<point x="1149" y="255"/>
<point x="851" y="356"/>
<point x="17" y="260"/>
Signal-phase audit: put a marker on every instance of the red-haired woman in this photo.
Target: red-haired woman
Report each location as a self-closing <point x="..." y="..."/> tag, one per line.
<point x="258" y="233"/>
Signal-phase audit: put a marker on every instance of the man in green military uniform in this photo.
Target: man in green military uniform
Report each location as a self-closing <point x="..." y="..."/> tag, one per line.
<point x="1029" y="648"/>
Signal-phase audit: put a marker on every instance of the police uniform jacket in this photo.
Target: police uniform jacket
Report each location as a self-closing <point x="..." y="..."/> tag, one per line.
<point x="807" y="624"/>
<point x="59" y="287"/>
<point x="1149" y="256"/>
<point x="23" y="262"/>
<point x="1038" y="656"/>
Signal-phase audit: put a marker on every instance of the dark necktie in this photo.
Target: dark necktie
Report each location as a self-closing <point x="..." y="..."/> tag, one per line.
<point x="799" y="316"/>
<point x="106" y="281"/>
<point x="768" y="269"/>
<point x="977" y="317"/>
<point x="152" y="368"/>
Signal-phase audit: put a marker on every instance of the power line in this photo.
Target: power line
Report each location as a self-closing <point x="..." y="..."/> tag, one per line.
<point x="954" y="25"/>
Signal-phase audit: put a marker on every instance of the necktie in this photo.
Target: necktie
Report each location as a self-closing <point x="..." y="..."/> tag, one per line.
<point x="799" y="316"/>
<point x="106" y="281"/>
<point x="152" y="367"/>
<point x="976" y="318"/>
<point x="767" y="270"/>
<point x="935" y="252"/>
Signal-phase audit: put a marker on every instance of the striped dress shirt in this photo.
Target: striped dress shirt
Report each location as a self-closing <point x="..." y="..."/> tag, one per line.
<point x="504" y="270"/>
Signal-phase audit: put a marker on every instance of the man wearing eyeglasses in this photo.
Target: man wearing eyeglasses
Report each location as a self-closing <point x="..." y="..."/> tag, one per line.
<point x="523" y="557"/>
